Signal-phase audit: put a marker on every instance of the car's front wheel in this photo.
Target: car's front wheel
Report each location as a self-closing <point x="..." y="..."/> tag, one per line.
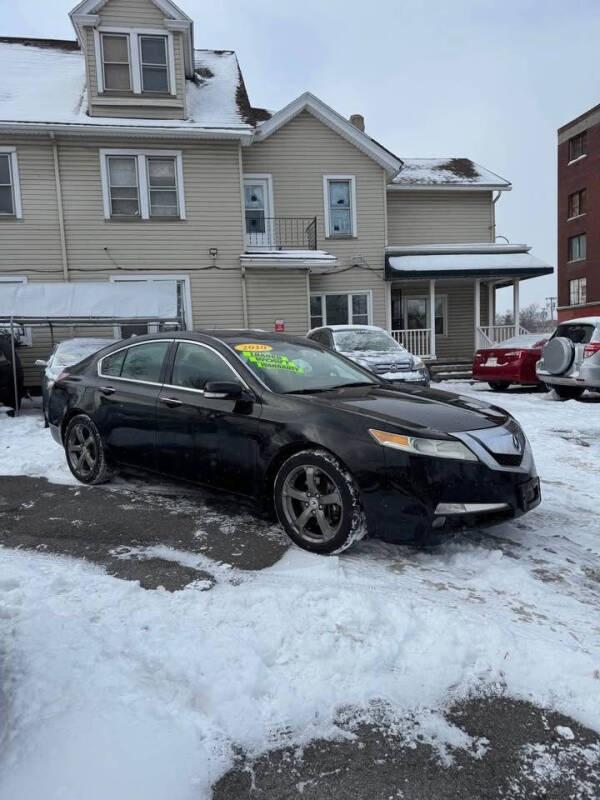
<point x="568" y="392"/>
<point x="498" y="386"/>
<point x="85" y="452"/>
<point x="318" y="502"/>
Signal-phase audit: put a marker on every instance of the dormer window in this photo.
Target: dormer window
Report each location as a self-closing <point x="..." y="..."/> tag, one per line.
<point x="116" y="62"/>
<point x="140" y="61"/>
<point x="153" y="57"/>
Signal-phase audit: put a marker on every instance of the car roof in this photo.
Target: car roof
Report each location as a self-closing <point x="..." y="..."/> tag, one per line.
<point x="348" y="328"/>
<point x="225" y="335"/>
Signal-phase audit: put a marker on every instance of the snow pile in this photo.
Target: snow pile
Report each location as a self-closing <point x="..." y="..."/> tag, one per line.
<point x="114" y="691"/>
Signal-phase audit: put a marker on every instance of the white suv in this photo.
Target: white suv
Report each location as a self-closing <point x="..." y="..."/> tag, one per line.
<point x="570" y="361"/>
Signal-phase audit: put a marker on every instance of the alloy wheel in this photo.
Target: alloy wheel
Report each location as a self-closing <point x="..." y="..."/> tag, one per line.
<point x="82" y="449"/>
<point x="312" y="503"/>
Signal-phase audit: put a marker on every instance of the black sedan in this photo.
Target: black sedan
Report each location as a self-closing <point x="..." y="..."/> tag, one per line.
<point x="333" y="449"/>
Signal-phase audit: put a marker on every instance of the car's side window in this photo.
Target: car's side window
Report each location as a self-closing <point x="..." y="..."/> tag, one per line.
<point x="143" y="362"/>
<point x="195" y="366"/>
<point x="112" y="365"/>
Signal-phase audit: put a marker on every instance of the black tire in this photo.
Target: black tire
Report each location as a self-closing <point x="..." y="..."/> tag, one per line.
<point x="498" y="386"/>
<point x="85" y="452"/>
<point x="320" y="527"/>
<point x="568" y="392"/>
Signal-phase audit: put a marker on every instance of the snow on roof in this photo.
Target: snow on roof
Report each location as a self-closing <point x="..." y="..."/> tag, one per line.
<point x="442" y="171"/>
<point x="45" y="83"/>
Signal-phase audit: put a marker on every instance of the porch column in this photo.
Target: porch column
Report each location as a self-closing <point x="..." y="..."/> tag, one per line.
<point x="432" y="317"/>
<point x="516" y="309"/>
<point x="477" y="306"/>
<point x="491" y="304"/>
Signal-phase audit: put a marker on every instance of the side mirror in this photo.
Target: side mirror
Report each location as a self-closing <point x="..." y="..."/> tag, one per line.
<point x="222" y="390"/>
<point x="39" y="362"/>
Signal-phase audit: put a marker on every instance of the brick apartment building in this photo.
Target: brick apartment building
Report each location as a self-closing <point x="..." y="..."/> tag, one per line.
<point x="579" y="216"/>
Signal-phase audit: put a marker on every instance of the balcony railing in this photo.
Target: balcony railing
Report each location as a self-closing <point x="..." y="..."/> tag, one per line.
<point x="416" y="340"/>
<point x="280" y="233"/>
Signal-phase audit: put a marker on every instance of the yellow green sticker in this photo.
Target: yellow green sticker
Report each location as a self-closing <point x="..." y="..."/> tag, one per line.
<point x="253" y="348"/>
<point x="263" y="360"/>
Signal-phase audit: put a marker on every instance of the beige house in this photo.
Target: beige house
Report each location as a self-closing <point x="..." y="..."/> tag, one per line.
<point x="129" y="155"/>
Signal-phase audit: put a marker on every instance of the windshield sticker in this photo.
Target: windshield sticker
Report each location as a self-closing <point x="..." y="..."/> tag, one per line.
<point x="272" y="361"/>
<point x="253" y="348"/>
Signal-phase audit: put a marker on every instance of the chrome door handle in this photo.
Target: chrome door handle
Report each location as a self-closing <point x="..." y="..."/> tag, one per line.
<point x="171" y="401"/>
<point x="107" y="389"/>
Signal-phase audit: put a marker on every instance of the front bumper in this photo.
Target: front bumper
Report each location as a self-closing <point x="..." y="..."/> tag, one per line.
<point x="420" y="497"/>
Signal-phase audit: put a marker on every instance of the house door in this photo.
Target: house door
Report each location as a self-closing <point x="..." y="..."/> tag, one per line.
<point x="259" y="214"/>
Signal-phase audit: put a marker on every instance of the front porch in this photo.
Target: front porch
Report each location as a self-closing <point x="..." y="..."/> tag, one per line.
<point x="442" y="297"/>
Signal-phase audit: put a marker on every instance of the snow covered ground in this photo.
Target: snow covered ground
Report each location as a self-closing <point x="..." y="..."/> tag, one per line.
<point x="113" y="691"/>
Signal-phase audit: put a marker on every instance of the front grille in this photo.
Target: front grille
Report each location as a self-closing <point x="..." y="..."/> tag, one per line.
<point x="508" y="460"/>
<point x="506" y="445"/>
<point x="380" y="369"/>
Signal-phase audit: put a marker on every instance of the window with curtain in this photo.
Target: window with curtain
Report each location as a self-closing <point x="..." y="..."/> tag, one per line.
<point x="162" y="187"/>
<point x="577" y="202"/>
<point x="7" y="201"/>
<point x="154" y="65"/>
<point x="578" y="291"/>
<point x="123" y="185"/>
<point x="340" y="207"/>
<point x="115" y="59"/>
<point x="578" y="247"/>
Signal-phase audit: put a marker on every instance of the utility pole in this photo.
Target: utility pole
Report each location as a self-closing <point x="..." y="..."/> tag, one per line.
<point x="551" y="303"/>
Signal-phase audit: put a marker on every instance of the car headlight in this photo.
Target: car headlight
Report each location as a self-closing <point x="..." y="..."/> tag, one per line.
<point x="418" y="363"/>
<point x="438" y="448"/>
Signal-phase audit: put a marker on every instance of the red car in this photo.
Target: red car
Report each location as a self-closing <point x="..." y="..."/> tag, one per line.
<point x="512" y="361"/>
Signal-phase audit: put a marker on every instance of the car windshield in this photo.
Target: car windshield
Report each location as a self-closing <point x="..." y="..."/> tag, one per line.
<point x="365" y="341"/>
<point x="294" y="367"/>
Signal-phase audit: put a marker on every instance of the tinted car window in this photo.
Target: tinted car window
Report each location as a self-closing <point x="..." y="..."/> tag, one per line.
<point x="286" y="366"/>
<point x="113" y="364"/>
<point x="144" y="361"/>
<point x="322" y="337"/>
<point x="577" y="333"/>
<point x="196" y="365"/>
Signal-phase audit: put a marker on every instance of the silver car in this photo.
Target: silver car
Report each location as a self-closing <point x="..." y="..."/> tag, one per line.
<point x="570" y="361"/>
<point x="375" y="349"/>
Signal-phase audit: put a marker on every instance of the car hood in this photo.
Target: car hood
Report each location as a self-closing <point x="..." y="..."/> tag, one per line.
<point x="379" y="358"/>
<point x="413" y="408"/>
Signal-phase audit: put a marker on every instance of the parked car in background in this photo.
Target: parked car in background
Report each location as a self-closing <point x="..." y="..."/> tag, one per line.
<point x="512" y="361"/>
<point x="375" y="349"/>
<point x="65" y="354"/>
<point x="570" y="361"/>
<point x="333" y="449"/>
<point x="7" y="383"/>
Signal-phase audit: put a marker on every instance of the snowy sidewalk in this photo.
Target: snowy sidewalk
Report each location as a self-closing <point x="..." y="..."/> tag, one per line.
<point x="118" y="692"/>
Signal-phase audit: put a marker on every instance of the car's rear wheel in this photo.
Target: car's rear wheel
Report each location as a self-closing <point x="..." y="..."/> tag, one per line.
<point x="318" y="502"/>
<point x="568" y="392"/>
<point x="85" y="452"/>
<point x="498" y="386"/>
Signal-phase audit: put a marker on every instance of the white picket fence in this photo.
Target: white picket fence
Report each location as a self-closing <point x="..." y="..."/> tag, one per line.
<point x="416" y="341"/>
<point x="489" y="335"/>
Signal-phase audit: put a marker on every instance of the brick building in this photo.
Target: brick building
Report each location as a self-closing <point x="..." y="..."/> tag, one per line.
<point x="579" y="216"/>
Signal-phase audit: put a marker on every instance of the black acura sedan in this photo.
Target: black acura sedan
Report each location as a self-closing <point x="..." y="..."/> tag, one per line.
<point x="333" y="449"/>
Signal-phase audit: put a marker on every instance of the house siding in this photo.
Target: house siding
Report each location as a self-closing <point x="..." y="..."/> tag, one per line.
<point x="98" y="248"/>
<point x="120" y="13"/>
<point x="277" y="295"/>
<point x="423" y="217"/>
<point x="297" y="156"/>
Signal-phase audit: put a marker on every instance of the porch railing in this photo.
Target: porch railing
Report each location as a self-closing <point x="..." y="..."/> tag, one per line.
<point x="280" y="233"/>
<point x="489" y="335"/>
<point x="416" y="340"/>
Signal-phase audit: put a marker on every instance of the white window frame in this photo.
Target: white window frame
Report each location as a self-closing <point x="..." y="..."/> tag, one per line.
<point x="27" y="335"/>
<point x="579" y="282"/>
<point x="15" y="183"/>
<point x="425" y="297"/>
<point x="100" y="50"/>
<point x="135" y="61"/>
<point x="352" y="180"/>
<point x="349" y="295"/>
<point x="143" y="183"/>
<point x="249" y="177"/>
<point x="134" y="277"/>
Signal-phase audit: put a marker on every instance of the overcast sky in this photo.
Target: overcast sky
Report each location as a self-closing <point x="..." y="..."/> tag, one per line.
<point x="491" y="80"/>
